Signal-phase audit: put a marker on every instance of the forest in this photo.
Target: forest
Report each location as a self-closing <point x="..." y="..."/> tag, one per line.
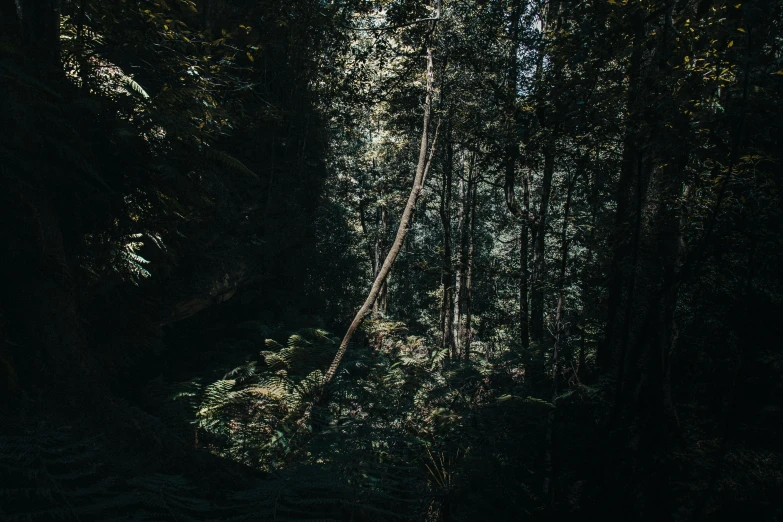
<point x="391" y="260"/>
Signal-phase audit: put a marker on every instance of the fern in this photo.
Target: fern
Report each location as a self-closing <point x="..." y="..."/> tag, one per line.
<point x="231" y="162"/>
<point x="136" y="87"/>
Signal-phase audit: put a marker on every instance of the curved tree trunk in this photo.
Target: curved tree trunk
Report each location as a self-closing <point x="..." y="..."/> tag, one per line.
<point x="422" y="169"/>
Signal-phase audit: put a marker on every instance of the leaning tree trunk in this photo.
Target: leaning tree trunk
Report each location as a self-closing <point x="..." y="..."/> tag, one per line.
<point x="422" y="169"/>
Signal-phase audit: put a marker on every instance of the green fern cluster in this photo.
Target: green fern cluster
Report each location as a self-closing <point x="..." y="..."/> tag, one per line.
<point x="250" y="414"/>
<point x="401" y="433"/>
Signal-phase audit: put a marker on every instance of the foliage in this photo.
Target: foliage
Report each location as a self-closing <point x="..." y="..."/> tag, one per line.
<point x="583" y="320"/>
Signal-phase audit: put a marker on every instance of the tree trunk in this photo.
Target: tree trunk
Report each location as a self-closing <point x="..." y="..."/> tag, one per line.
<point x="379" y="307"/>
<point x="468" y="306"/>
<point x="561" y="278"/>
<point x="524" y="226"/>
<point x="40" y="301"/>
<point x="459" y="276"/>
<point x="510" y="160"/>
<point x="366" y="233"/>
<point x="546" y="118"/>
<point x="447" y="272"/>
<point x="384" y="295"/>
<point x="512" y="141"/>
<point x="422" y="169"/>
<point x="539" y="248"/>
<point x="466" y="214"/>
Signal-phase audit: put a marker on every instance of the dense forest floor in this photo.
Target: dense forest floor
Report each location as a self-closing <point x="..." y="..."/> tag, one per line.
<point x="564" y="219"/>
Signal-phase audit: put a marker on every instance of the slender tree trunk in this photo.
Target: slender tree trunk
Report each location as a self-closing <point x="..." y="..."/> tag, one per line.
<point x="587" y="298"/>
<point x="644" y="290"/>
<point x="539" y="249"/>
<point x="447" y="277"/>
<point x="459" y="275"/>
<point x="81" y="16"/>
<point x="468" y="330"/>
<point x="549" y="18"/>
<point x="374" y="251"/>
<point x="379" y="306"/>
<point x="82" y="58"/>
<point x="561" y="279"/>
<point x="422" y="169"/>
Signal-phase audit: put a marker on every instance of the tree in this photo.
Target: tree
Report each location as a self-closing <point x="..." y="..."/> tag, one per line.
<point x="422" y="169"/>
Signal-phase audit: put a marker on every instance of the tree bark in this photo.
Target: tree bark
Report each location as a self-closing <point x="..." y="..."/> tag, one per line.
<point x="384" y="293"/>
<point x="547" y="119"/>
<point x="609" y="350"/>
<point x="587" y="295"/>
<point x="643" y="292"/>
<point x="511" y="158"/>
<point x="379" y="306"/>
<point x="561" y="278"/>
<point x="365" y="232"/>
<point x="459" y="276"/>
<point x="464" y="271"/>
<point x="524" y="312"/>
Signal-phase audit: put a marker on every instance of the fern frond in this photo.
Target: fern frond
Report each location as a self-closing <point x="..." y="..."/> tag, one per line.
<point x="231" y="162"/>
<point x="136" y="87"/>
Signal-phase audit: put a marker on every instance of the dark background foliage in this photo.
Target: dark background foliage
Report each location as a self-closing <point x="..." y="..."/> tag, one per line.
<point x="583" y="319"/>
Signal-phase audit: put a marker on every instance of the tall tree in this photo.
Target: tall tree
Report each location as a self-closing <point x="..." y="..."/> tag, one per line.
<point x="447" y="278"/>
<point x="422" y="168"/>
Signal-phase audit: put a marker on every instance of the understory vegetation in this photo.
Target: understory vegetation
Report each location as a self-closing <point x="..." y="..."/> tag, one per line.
<point x="359" y="260"/>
